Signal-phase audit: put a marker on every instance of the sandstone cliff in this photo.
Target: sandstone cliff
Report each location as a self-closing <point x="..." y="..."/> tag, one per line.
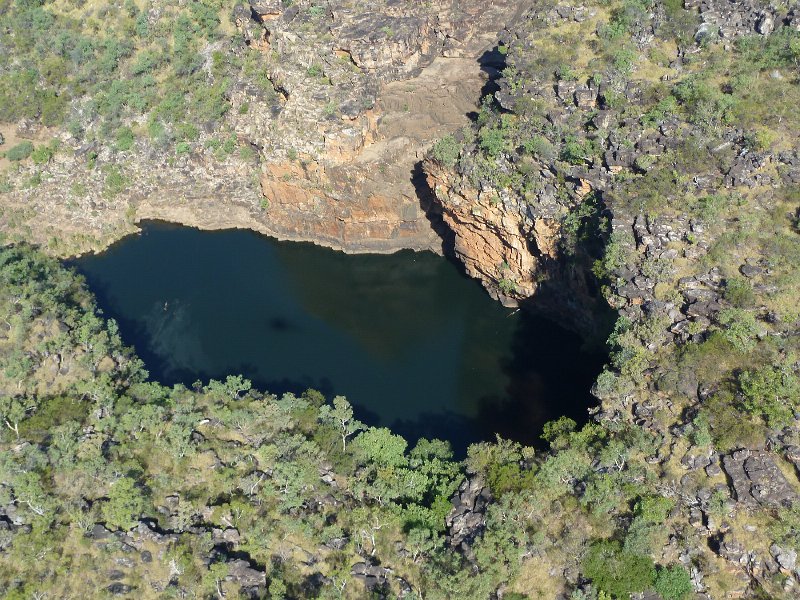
<point x="322" y="143"/>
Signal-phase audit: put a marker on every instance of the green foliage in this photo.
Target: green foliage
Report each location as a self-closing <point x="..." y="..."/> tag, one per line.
<point x="654" y="509"/>
<point x="507" y="286"/>
<point x="701" y="433"/>
<point x="666" y="107"/>
<point x="739" y="328"/>
<point x="558" y="432"/>
<point x="446" y="151"/>
<point x="493" y="141"/>
<point x="115" y="181"/>
<point x="500" y="465"/>
<point x="125" y="504"/>
<point x="786" y="527"/>
<point x="616" y="253"/>
<point x="709" y="208"/>
<point x="616" y="571"/>
<point x="42" y="154"/>
<point x="738" y="292"/>
<point x="124" y="139"/>
<point x="730" y="428"/>
<point x="382" y="447"/>
<point x="583" y="227"/>
<point x="340" y="416"/>
<point x="706" y="105"/>
<point x="673" y="583"/>
<point x="781" y="49"/>
<point x="540" y="147"/>
<point x="771" y="392"/>
<point x="20" y="152"/>
<point x="577" y="151"/>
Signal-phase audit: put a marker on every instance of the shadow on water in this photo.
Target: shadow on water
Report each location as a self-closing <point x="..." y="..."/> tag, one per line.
<point x="543" y="364"/>
<point x="412" y="343"/>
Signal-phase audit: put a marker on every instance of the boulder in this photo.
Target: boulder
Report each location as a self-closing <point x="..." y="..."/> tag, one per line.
<point x="245" y="575"/>
<point x="467" y="519"/>
<point x="786" y="559"/>
<point x="765" y="24"/>
<point x="98" y="532"/>
<point x="373" y="576"/>
<point x="755" y="480"/>
<point x="118" y="589"/>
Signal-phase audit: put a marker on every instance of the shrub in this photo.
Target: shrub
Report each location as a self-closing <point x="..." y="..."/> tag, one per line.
<point x="446" y="151"/>
<point x="577" y="152"/>
<point x="116" y="182"/>
<point x="124" y="139"/>
<point x="493" y="141"/>
<point x="43" y="154"/>
<point x="729" y="427"/>
<point x="738" y="292"/>
<point x="709" y="208"/>
<point x="507" y="286"/>
<point x="771" y="392"/>
<point x="20" y="152"/>
<point x="618" y="572"/>
<point x="706" y="105"/>
<point x="740" y="328"/>
<point x="786" y="527"/>
<point x="701" y="434"/>
<point x="654" y="509"/>
<point x="566" y="73"/>
<point x="540" y="147"/>
<point x="673" y="583"/>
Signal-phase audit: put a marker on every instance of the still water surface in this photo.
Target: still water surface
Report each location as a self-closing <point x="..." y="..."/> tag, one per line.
<point x="413" y="344"/>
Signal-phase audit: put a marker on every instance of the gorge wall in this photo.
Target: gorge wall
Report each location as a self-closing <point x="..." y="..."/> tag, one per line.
<point x="326" y="140"/>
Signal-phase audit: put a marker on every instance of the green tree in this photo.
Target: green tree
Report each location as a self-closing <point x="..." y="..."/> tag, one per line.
<point x="125" y="504"/>
<point x="340" y="416"/>
<point x="379" y="445"/>
<point x="12" y="411"/>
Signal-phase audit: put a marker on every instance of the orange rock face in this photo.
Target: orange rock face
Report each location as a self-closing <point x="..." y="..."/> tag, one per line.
<point x="502" y="248"/>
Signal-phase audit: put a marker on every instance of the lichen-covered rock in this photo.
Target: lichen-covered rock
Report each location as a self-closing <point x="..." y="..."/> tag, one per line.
<point x="756" y="480"/>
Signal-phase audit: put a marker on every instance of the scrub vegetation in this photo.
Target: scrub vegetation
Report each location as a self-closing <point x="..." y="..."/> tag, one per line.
<point x="666" y="148"/>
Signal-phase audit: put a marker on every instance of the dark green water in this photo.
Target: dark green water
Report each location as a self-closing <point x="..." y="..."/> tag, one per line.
<point x="411" y="342"/>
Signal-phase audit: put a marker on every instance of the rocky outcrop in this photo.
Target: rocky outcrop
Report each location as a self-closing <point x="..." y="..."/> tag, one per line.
<point x="731" y="19"/>
<point x="327" y="150"/>
<point x="396" y="80"/>
<point x="467" y="519"/>
<point x="756" y="480"/>
<point x="499" y="242"/>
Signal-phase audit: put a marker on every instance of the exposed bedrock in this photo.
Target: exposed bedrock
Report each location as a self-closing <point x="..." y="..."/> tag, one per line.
<point x="325" y="141"/>
<point x="344" y="172"/>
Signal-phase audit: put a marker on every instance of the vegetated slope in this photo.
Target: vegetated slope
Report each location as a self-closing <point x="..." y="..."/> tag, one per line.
<point x="303" y="120"/>
<point x="657" y="147"/>
<point x="628" y="138"/>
